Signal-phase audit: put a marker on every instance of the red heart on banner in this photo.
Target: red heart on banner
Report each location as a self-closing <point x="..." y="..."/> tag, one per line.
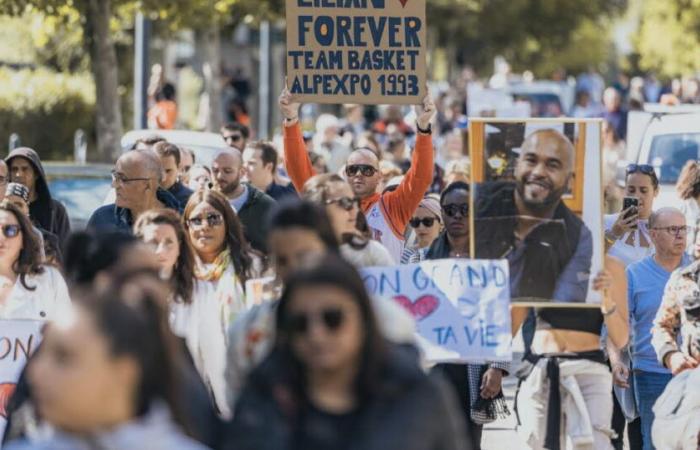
<point x="420" y="308"/>
<point x="403" y="3"/>
<point x="6" y="391"/>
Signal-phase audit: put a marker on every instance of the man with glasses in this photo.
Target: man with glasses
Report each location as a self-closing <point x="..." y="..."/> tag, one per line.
<point x="235" y="135"/>
<point x="136" y="180"/>
<point x="387" y="213"/>
<point x="646" y="280"/>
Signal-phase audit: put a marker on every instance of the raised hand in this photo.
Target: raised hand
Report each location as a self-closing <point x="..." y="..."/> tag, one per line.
<point x="425" y="112"/>
<point x="290" y="109"/>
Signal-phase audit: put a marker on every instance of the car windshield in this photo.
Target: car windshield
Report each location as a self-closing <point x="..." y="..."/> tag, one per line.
<point x="80" y="196"/>
<point x="670" y="152"/>
<point x="204" y="155"/>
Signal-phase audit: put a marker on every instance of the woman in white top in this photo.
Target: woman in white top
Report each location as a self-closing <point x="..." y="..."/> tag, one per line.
<point x="194" y="315"/>
<point x="224" y="260"/>
<point x="688" y="188"/>
<point x="29" y="289"/>
<point x="334" y="194"/>
<point x="626" y="233"/>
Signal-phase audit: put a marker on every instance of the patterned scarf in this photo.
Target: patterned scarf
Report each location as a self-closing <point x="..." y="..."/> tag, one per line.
<point x="217" y="268"/>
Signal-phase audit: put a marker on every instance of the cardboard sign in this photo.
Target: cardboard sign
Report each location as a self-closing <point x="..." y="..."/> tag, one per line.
<point x="18" y="341"/>
<point x="461" y="306"/>
<point x="356" y="51"/>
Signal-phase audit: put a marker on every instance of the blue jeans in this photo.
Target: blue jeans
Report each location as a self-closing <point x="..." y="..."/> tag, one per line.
<point x="647" y="388"/>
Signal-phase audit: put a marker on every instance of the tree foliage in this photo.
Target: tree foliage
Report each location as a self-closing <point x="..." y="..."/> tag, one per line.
<point x="531" y="34"/>
<point x="668" y="40"/>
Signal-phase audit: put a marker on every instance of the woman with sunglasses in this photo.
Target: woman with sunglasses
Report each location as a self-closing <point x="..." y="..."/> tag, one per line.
<point x="194" y="315"/>
<point x="108" y="375"/>
<point x="473" y="383"/>
<point x="334" y="194"/>
<point x="300" y="233"/>
<point x="426" y="223"/>
<point x="332" y="381"/>
<point x="626" y="233"/>
<point x="29" y="289"/>
<point x="224" y="260"/>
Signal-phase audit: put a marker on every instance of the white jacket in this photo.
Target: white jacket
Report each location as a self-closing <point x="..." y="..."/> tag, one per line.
<point x="49" y="297"/>
<point x="202" y="325"/>
<point x="677" y="413"/>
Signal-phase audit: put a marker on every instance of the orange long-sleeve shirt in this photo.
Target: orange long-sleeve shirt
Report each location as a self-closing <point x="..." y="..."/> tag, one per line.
<point x="397" y="206"/>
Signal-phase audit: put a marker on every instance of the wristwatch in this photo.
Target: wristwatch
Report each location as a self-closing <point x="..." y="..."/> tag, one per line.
<point x="429" y="130"/>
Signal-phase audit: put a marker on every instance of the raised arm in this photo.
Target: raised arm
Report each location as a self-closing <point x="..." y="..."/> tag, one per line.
<point x="296" y="158"/>
<point x="401" y="203"/>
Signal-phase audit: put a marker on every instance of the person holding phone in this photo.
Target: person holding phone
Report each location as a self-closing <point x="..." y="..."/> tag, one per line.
<point x="627" y="232"/>
<point x="627" y="238"/>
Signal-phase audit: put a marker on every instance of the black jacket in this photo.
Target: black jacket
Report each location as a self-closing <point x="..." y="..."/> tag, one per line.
<point x="114" y="218"/>
<point x="181" y="192"/>
<point x="548" y="247"/>
<point x="46" y="212"/>
<point x="413" y="411"/>
<point x="253" y="215"/>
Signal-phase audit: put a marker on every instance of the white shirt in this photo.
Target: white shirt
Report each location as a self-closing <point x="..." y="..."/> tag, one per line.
<point x="48" y="299"/>
<point x="625" y="252"/>
<point x="373" y="255"/>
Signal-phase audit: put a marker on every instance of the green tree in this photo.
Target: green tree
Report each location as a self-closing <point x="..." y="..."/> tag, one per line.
<point x="531" y="34"/>
<point x="668" y="41"/>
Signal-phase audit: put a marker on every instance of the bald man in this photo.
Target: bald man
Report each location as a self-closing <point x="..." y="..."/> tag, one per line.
<point x="548" y="247"/>
<point x="387" y="213"/>
<point x="251" y="204"/>
<point x="136" y="180"/>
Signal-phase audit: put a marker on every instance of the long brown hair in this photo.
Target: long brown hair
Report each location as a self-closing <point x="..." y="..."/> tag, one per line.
<point x="182" y="280"/>
<point x="688" y="184"/>
<point x="130" y="311"/>
<point x="234" y="240"/>
<point x="29" y="261"/>
<point x="316" y="190"/>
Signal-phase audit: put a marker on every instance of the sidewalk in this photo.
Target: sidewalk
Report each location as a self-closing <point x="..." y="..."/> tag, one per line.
<point x="501" y="434"/>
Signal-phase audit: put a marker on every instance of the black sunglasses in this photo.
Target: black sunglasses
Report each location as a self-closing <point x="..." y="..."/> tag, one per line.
<point x="646" y="169"/>
<point x="426" y="221"/>
<point x="331" y="318"/>
<point x="346" y="203"/>
<point x="213" y="219"/>
<point x="10" y="231"/>
<point x="452" y="209"/>
<point x="233" y="137"/>
<point x="365" y="169"/>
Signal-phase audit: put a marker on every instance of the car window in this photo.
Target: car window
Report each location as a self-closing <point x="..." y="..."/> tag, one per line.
<point x="670" y="152"/>
<point x="80" y="196"/>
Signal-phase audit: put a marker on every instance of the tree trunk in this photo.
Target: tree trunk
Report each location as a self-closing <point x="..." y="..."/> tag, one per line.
<point x="212" y="76"/>
<point x="103" y="63"/>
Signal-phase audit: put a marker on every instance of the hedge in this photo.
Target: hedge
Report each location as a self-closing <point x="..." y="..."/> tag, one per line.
<point x="46" y="108"/>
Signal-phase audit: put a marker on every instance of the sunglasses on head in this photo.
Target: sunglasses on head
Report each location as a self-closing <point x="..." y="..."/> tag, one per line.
<point x="452" y="209"/>
<point x="426" y="221"/>
<point x="331" y="318"/>
<point x="11" y="230"/>
<point x="346" y="203"/>
<point x="646" y="169"/>
<point x="213" y="219"/>
<point x="365" y="169"/>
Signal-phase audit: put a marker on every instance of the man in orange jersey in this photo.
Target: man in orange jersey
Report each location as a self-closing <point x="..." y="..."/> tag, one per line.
<point x="387" y="213"/>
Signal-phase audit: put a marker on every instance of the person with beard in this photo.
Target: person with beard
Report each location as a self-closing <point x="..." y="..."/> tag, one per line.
<point x="250" y="204"/>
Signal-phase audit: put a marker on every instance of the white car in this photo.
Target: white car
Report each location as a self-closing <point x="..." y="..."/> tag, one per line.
<point x="205" y="145"/>
<point x="666" y="142"/>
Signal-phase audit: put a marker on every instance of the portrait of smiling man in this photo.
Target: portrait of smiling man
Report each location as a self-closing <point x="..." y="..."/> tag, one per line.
<point x="548" y="246"/>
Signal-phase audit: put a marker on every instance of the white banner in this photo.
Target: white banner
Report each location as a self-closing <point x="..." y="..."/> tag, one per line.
<point x="461" y="307"/>
<point x="18" y="341"/>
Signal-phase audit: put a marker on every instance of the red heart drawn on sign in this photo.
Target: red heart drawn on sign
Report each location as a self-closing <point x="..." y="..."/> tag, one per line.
<point x="421" y="308"/>
<point x="403" y="3"/>
<point x="6" y="391"/>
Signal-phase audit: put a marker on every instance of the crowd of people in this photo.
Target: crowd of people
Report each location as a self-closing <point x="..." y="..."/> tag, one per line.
<point x="157" y="335"/>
